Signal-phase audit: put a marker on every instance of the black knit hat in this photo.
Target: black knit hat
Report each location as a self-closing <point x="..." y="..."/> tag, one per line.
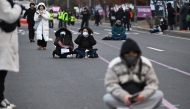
<point x="128" y="46"/>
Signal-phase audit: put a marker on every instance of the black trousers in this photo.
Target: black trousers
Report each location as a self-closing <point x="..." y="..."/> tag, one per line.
<point x="51" y="24"/>
<point x="128" y="26"/>
<point x="72" y="23"/>
<point x="60" y="23"/>
<point x="31" y="31"/>
<point x="84" y="22"/>
<point x="58" y="52"/>
<point x="42" y="42"/>
<point x="3" y="75"/>
<point x="65" y="24"/>
<point x="112" y="23"/>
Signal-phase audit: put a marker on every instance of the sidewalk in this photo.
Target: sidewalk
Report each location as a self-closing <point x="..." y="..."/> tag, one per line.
<point x="143" y="26"/>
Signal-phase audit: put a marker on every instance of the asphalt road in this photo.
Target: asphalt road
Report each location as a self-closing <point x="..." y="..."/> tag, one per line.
<point x="47" y="83"/>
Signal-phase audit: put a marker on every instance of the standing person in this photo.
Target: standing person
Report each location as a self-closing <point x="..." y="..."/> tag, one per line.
<point x="131" y="16"/>
<point x="51" y="15"/>
<point x="30" y="19"/>
<point x="97" y="18"/>
<point x="65" y="18"/>
<point x="183" y="14"/>
<point x="171" y="15"/>
<point x="42" y="32"/>
<point x="119" y="14"/>
<point x="130" y="80"/>
<point x="73" y="19"/>
<point x="59" y="17"/>
<point x="112" y="17"/>
<point x="188" y="23"/>
<point x="126" y="18"/>
<point x="85" y="17"/>
<point x="9" y="59"/>
<point x="69" y="18"/>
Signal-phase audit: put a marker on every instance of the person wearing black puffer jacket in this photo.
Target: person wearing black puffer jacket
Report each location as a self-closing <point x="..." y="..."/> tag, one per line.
<point x="112" y="17"/>
<point x="85" y="42"/>
<point x="126" y="19"/>
<point x="131" y="81"/>
<point x="119" y="14"/>
<point x="30" y="19"/>
<point x="63" y="41"/>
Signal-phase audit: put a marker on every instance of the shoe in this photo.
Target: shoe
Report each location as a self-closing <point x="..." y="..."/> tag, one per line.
<point x="39" y="47"/>
<point x="44" y="48"/>
<point x="96" y="55"/>
<point x="9" y="104"/>
<point x="33" y="40"/>
<point x="30" y="40"/>
<point x="90" y="56"/>
<point x="3" y="105"/>
<point x="69" y="56"/>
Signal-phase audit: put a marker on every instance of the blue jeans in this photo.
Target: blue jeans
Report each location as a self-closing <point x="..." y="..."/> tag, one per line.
<point x="121" y="37"/>
<point x="81" y="53"/>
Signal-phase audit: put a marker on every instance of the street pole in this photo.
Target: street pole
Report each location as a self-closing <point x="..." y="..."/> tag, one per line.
<point x="67" y="4"/>
<point x="135" y="11"/>
<point x="175" y="7"/>
<point x="105" y="11"/>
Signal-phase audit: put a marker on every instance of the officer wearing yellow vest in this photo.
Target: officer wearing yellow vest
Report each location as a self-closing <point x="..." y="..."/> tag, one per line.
<point x="65" y="18"/>
<point x="59" y="17"/>
<point x="51" y="14"/>
<point x="72" y="20"/>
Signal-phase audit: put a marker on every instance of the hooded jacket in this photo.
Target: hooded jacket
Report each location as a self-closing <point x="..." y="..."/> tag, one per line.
<point x="43" y="27"/>
<point x="85" y="43"/>
<point x="67" y="40"/>
<point x="120" y="79"/>
<point x="9" y="58"/>
<point x="171" y="16"/>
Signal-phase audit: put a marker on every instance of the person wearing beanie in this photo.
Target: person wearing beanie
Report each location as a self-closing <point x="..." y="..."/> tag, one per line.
<point x="130" y="80"/>
<point x="30" y="19"/>
<point x="118" y="31"/>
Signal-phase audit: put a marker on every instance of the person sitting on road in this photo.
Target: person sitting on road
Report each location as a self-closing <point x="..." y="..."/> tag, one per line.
<point x="130" y="81"/>
<point x="160" y="28"/>
<point x="85" y="42"/>
<point x="118" y="31"/>
<point x="64" y="44"/>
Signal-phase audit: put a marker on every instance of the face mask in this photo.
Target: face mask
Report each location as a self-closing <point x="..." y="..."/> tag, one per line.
<point x="85" y="34"/>
<point x="161" y="19"/>
<point x="131" y="60"/>
<point x="62" y="34"/>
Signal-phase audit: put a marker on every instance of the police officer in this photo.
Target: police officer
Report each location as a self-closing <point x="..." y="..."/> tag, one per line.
<point x="30" y="19"/>
<point x="59" y="17"/>
<point x="65" y="18"/>
<point x="51" y="14"/>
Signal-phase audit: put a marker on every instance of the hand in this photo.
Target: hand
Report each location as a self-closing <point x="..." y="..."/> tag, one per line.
<point x="140" y="97"/>
<point x="39" y="16"/>
<point x="119" y="34"/>
<point x="126" y="99"/>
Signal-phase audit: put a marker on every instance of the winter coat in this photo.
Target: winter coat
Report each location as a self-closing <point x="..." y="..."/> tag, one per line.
<point x="112" y="14"/>
<point x="9" y="58"/>
<point x="171" y="16"/>
<point x="85" y="15"/>
<point x="67" y="40"/>
<point x="126" y="16"/>
<point x="97" y="17"/>
<point x="30" y="16"/>
<point x="118" y="29"/>
<point x="85" y="43"/>
<point x="119" y="15"/>
<point x="184" y="12"/>
<point x="43" y="27"/>
<point x="163" y="25"/>
<point x="121" y="80"/>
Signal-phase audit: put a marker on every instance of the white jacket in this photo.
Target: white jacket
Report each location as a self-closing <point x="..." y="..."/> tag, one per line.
<point x="9" y="59"/>
<point x="43" y="27"/>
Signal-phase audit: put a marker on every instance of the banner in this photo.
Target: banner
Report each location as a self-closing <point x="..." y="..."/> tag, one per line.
<point x="144" y="11"/>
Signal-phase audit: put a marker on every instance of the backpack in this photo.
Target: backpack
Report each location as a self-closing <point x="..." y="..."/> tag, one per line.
<point x="188" y="18"/>
<point x="131" y="15"/>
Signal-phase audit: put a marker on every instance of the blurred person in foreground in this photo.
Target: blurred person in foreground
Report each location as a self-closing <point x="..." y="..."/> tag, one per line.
<point x="130" y="81"/>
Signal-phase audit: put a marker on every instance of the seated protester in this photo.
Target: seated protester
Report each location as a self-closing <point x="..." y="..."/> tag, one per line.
<point x="130" y="80"/>
<point x="160" y="28"/>
<point x="85" y="42"/>
<point x="63" y="41"/>
<point x="118" y="31"/>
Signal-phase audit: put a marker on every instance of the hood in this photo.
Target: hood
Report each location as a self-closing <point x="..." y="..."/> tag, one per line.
<point x="68" y="33"/>
<point x="130" y="45"/>
<point x="42" y="5"/>
<point x="89" y="30"/>
<point x="169" y="5"/>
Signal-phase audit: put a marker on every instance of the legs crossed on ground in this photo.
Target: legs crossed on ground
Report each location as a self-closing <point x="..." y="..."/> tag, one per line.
<point x="82" y="54"/>
<point x="152" y="102"/>
<point x="121" y="37"/>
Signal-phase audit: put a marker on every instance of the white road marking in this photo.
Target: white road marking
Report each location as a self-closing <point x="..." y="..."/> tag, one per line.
<point x="155" y="49"/>
<point x="125" y="33"/>
<point x="96" y="33"/>
<point x="50" y="39"/>
<point x="107" y="29"/>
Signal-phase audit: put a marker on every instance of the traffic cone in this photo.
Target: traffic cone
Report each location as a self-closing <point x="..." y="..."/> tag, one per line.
<point x="23" y="22"/>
